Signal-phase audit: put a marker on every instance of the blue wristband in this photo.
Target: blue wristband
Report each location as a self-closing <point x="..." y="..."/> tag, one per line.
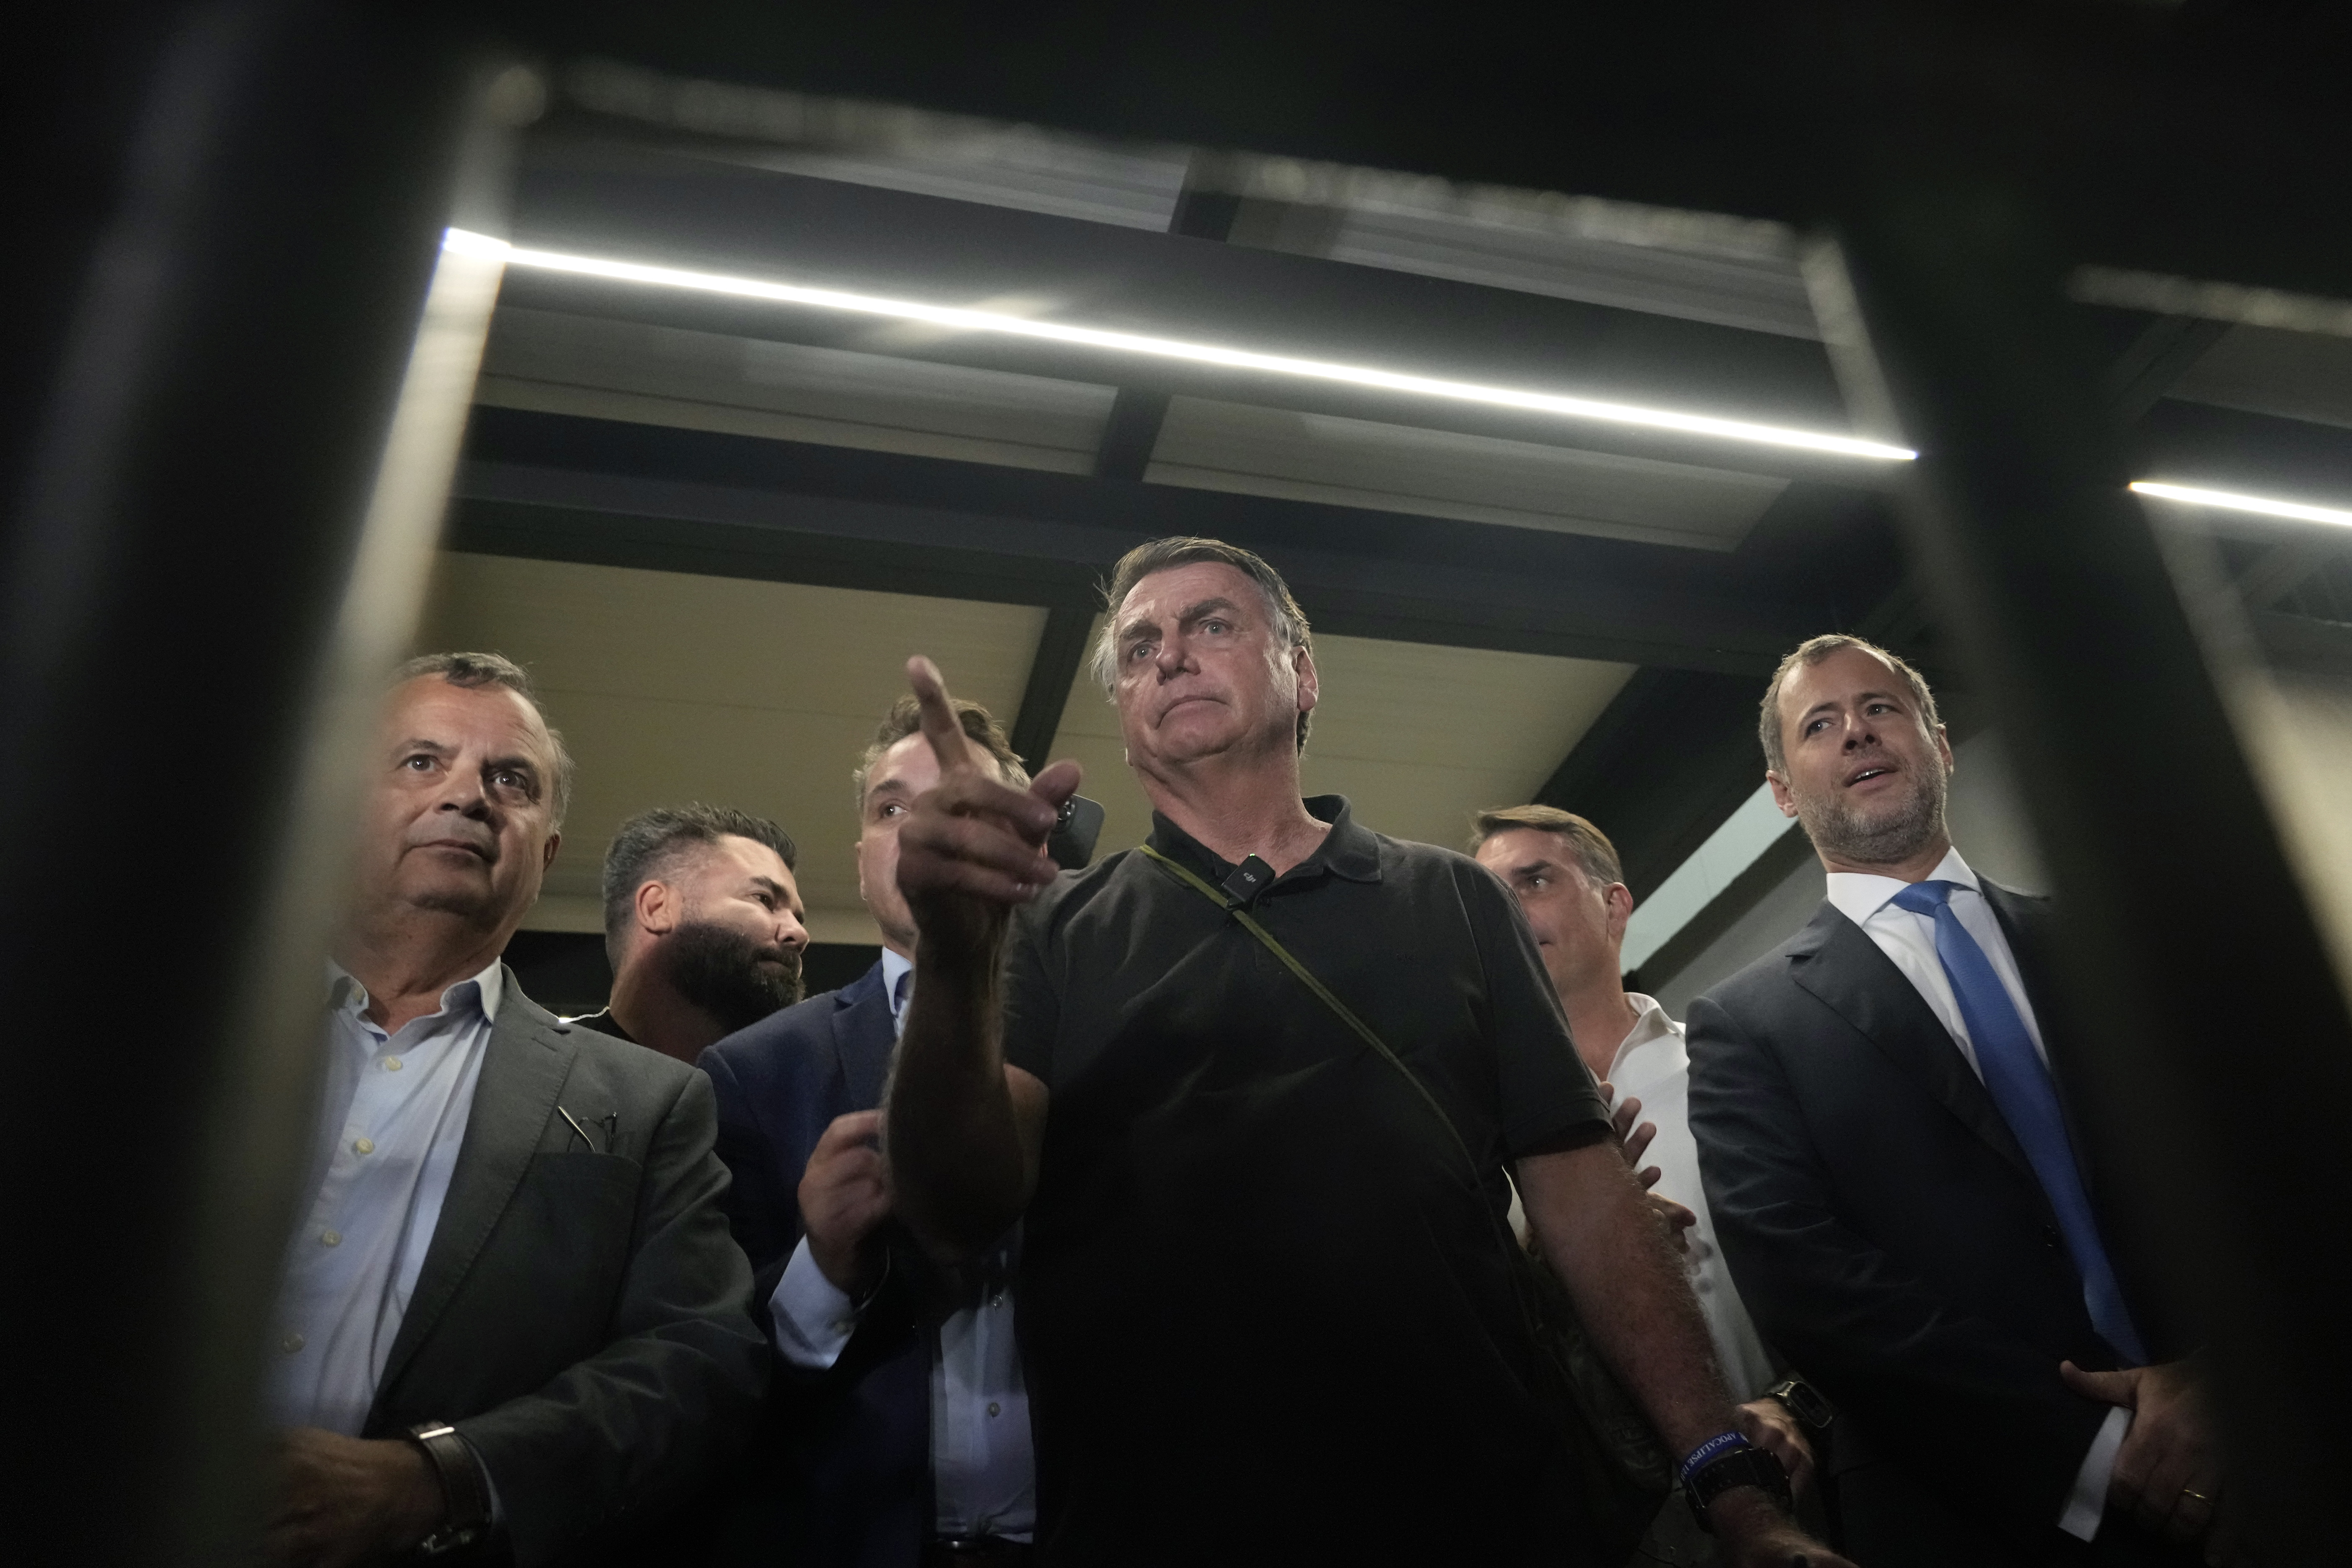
<point x="1707" y="1453"/>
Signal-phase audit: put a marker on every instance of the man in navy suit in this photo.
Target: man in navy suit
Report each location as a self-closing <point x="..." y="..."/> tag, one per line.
<point x="1888" y="1144"/>
<point x="902" y="1416"/>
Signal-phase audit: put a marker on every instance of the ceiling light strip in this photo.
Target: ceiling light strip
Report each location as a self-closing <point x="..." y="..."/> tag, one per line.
<point x="971" y="321"/>
<point x="2231" y="501"/>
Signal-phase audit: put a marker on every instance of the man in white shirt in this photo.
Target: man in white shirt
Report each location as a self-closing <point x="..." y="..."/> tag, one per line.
<point x="1890" y="1156"/>
<point x="905" y="1417"/>
<point x="511" y="1308"/>
<point x="1566" y="874"/>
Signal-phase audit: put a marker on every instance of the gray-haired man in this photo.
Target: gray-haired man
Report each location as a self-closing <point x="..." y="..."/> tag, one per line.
<point x="1266" y="1293"/>
<point x="511" y="1305"/>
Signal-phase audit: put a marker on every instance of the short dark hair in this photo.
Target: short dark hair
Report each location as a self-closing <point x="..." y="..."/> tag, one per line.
<point x="1811" y="652"/>
<point x="1183" y="550"/>
<point x="906" y="718"/>
<point x="477" y="669"/>
<point x="651" y="842"/>
<point x="1593" y="852"/>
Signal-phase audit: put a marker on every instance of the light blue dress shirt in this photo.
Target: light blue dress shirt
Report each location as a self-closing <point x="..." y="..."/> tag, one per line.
<point x="983" y="1466"/>
<point x="392" y="1117"/>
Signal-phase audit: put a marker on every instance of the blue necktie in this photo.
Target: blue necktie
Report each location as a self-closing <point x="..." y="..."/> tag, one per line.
<point x="2020" y="1086"/>
<point x="898" y="997"/>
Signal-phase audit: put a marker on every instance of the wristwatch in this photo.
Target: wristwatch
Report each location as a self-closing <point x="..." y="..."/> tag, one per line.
<point x="1734" y="1463"/>
<point x="1804" y="1401"/>
<point x="465" y="1489"/>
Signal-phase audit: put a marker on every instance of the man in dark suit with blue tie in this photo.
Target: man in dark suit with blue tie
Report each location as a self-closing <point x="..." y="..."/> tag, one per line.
<point x="900" y="1413"/>
<point x="1885" y="1131"/>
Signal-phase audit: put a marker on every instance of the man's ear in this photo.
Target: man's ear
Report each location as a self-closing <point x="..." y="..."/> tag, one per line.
<point x="1781" y="796"/>
<point x="657" y="908"/>
<point x="1617" y="899"/>
<point x="1310" y="685"/>
<point x="1944" y="749"/>
<point x="547" y="856"/>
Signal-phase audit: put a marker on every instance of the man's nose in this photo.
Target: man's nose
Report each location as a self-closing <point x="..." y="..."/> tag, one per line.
<point x="790" y="932"/>
<point x="464" y="795"/>
<point x="1174" y="656"/>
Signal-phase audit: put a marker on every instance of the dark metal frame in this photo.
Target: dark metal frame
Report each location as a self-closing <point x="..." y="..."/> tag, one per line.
<point x="240" y="320"/>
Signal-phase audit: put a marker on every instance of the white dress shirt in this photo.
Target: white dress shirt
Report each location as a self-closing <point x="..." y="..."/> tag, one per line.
<point x="1909" y="939"/>
<point x="392" y="1117"/>
<point x="1652" y="1066"/>
<point x="984" y="1469"/>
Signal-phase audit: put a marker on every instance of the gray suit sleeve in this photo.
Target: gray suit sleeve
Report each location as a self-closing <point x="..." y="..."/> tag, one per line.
<point x="616" y="1438"/>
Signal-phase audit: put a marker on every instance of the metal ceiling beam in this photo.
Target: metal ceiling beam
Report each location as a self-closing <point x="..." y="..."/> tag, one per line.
<point x="553" y="486"/>
<point x="2185" y="139"/>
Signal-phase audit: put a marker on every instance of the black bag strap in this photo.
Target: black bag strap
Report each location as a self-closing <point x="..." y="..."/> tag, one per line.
<point x="1606" y="1428"/>
<point x="1347" y="1015"/>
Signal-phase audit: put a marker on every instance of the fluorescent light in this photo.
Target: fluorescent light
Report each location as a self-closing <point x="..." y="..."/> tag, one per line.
<point x="2228" y="501"/>
<point x="972" y="321"/>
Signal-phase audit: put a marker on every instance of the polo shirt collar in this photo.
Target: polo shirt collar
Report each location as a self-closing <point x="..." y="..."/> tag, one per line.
<point x="1349" y="851"/>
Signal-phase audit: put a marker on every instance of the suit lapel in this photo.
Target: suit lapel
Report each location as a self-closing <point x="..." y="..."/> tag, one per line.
<point x="523" y="1070"/>
<point x="863" y="1034"/>
<point x="1839" y="965"/>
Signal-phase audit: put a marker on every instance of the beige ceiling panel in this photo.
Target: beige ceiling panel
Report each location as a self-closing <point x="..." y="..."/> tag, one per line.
<point x="670" y="687"/>
<point x="589" y="366"/>
<point x="1234" y="447"/>
<point x="1417" y="737"/>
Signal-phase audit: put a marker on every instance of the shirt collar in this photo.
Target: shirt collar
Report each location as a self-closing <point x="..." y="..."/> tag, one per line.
<point x="484" y="991"/>
<point x="1651" y="1026"/>
<point x="1348" y="851"/>
<point x="1859" y="895"/>
<point x="894" y="966"/>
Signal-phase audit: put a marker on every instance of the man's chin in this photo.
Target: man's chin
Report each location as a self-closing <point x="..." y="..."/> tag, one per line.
<point x="474" y="902"/>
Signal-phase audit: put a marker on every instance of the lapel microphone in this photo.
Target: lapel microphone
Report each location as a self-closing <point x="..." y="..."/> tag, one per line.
<point x="1247" y="880"/>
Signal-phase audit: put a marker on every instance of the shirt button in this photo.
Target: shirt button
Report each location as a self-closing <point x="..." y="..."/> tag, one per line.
<point x="331" y="1238"/>
<point x="362" y="1146"/>
<point x="391" y="1064"/>
<point x="994" y="1408"/>
<point x="291" y="1344"/>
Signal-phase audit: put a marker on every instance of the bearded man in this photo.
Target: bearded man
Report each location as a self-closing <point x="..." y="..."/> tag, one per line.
<point x="702" y="923"/>
<point x="1885" y="1114"/>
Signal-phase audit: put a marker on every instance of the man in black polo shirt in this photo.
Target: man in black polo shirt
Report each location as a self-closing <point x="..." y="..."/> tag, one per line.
<point x="1266" y="1304"/>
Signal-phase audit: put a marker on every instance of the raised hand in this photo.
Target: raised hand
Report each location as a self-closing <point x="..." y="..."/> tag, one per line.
<point x="973" y="846"/>
<point x="844" y="1195"/>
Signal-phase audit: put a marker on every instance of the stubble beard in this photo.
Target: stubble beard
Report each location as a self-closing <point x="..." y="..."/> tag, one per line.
<point x="1848" y="834"/>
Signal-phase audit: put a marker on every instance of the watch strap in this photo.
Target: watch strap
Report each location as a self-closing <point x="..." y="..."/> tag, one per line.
<point x="465" y="1512"/>
<point x="1742" y="1466"/>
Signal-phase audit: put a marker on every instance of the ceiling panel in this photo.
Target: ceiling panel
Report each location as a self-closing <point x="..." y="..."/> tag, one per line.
<point x="608" y="369"/>
<point x="1021" y="167"/>
<point x="1211" y="445"/>
<point x="1417" y="737"/>
<point x="2267" y="370"/>
<point x="670" y="687"/>
<point x="1763" y="294"/>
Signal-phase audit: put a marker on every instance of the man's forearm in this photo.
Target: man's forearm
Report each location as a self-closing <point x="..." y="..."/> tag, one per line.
<point x="957" y="1172"/>
<point x="1628" y="1289"/>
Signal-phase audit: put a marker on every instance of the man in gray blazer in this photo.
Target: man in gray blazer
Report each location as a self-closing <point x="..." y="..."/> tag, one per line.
<point x="512" y="1318"/>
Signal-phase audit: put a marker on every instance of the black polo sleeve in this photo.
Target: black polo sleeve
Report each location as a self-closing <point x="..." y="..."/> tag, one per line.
<point x="1028" y="989"/>
<point x="1548" y="1099"/>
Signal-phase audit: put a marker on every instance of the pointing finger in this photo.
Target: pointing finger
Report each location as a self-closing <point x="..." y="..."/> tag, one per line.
<point x="949" y="744"/>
